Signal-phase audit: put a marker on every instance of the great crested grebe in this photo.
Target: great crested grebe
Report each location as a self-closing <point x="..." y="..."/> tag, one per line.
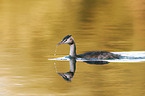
<point x="88" y="55"/>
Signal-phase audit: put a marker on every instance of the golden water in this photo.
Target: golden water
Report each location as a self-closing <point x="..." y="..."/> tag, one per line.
<point x="30" y="30"/>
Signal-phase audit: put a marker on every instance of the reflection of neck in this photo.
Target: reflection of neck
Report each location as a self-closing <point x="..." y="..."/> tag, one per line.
<point x="72" y="50"/>
<point x="72" y="65"/>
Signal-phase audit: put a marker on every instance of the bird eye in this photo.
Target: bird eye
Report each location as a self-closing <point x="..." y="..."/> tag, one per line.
<point x="65" y="40"/>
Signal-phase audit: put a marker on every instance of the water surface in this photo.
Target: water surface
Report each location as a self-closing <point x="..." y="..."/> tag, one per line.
<point x="30" y="30"/>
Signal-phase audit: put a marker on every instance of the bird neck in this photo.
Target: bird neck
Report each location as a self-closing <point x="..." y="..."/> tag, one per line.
<point x="72" y="50"/>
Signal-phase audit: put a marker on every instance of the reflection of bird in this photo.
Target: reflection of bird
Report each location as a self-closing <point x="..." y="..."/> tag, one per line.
<point x="68" y="76"/>
<point x="88" y="55"/>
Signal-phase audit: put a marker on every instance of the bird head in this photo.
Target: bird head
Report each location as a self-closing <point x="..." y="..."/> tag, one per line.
<point x="67" y="40"/>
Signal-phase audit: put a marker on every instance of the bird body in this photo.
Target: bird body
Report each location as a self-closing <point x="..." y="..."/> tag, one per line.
<point x="99" y="55"/>
<point x="88" y="55"/>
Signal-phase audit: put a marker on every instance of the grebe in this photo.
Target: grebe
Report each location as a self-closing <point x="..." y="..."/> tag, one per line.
<point x="88" y="55"/>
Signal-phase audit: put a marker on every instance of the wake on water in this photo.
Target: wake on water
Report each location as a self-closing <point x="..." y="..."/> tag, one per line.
<point x="132" y="56"/>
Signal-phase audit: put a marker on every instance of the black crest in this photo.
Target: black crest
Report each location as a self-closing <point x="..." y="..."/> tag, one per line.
<point x="66" y="37"/>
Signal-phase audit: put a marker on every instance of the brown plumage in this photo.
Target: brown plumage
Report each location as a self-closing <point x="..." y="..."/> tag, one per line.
<point x="99" y="55"/>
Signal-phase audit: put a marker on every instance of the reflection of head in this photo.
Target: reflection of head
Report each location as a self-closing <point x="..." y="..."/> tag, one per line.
<point x="67" y="76"/>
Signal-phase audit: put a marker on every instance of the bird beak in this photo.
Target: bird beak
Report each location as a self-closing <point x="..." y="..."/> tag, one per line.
<point x="63" y="76"/>
<point x="60" y="43"/>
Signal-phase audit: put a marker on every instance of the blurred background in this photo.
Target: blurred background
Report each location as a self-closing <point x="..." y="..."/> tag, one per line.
<point x="30" y="30"/>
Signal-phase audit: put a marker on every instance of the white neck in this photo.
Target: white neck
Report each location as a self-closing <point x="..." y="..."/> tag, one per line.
<point x="72" y="50"/>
